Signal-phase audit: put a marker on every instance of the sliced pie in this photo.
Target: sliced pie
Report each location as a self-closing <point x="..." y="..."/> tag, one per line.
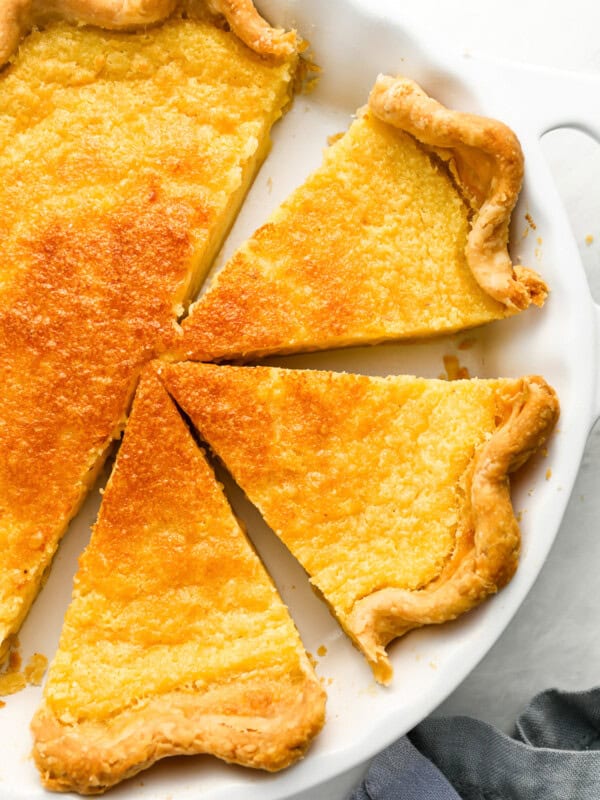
<point x="393" y="493"/>
<point x="123" y="159"/>
<point x="176" y="641"/>
<point x="401" y="233"/>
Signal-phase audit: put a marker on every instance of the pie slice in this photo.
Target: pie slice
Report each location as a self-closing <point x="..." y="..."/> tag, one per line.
<point x="123" y="159"/>
<point x="401" y="233"/>
<point x="176" y="641"/>
<point x="393" y="493"/>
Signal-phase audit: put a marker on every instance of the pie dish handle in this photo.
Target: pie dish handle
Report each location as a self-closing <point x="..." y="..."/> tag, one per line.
<point x="572" y="115"/>
<point x="571" y="101"/>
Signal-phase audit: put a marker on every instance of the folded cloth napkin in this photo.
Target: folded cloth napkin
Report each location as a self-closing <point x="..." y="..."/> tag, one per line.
<point x="554" y="755"/>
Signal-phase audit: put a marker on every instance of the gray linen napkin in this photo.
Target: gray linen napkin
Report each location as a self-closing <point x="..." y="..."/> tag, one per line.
<point x="402" y="772"/>
<point x="554" y="755"/>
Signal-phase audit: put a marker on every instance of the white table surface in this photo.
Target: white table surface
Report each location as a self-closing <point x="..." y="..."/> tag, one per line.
<point x="552" y="641"/>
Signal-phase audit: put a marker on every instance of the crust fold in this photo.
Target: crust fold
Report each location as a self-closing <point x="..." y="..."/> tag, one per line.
<point x="488" y="540"/>
<point x="253" y="30"/>
<point x="485" y="158"/>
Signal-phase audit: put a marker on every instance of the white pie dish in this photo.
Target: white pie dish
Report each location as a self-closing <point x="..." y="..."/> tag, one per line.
<point x="561" y="342"/>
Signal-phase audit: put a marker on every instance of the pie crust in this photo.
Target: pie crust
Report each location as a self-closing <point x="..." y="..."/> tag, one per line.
<point x="486" y="160"/>
<point x="19" y="16"/>
<point x="89" y="757"/>
<point x="488" y="541"/>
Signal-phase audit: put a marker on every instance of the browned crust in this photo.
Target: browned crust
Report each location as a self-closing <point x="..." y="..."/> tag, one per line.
<point x="486" y="160"/>
<point x="17" y="17"/>
<point x="253" y="30"/>
<point x="14" y="21"/>
<point x="91" y="756"/>
<point x="488" y="541"/>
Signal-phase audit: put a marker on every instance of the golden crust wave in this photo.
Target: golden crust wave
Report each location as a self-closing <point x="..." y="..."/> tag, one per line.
<point x="91" y="756"/>
<point x="486" y="159"/>
<point x="488" y="543"/>
<point x="253" y="30"/>
<point x="17" y="17"/>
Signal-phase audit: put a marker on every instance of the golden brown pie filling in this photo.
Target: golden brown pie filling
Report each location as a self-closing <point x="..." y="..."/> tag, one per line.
<point x="176" y="640"/>
<point x="124" y="158"/>
<point x="393" y="493"/>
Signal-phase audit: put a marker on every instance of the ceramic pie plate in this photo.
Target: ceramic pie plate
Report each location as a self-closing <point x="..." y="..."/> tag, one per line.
<point x="561" y="342"/>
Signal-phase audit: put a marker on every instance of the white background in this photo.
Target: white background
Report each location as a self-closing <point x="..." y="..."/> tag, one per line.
<point x="553" y="640"/>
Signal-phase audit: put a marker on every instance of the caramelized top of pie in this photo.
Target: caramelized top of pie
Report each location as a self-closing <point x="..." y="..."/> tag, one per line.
<point x="124" y="157"/>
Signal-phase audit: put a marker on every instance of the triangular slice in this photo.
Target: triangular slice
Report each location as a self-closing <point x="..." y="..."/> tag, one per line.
<point x="176" y="641"/>
<point x="401" y="233"/>
<point x="393" y="493"/>
<point x="124" y="158"/>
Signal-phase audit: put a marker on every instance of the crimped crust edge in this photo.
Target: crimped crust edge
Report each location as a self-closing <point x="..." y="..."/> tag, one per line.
<point x="90" y="756"/>
<point x="488" y="540"/>
<point x="485" y="158"/>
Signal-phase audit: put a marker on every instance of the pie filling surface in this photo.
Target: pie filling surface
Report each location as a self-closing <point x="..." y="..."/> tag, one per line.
<point x="373" y="246"/>
<point x="176" y="640"/>
<point x="393" y="493"/>
<point x="124" y="157"/>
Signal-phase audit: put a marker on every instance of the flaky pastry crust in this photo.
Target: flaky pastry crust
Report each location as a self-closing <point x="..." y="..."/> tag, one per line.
<point x="485" y="158"/>
<point x="90" y="756"/>
<point x="253" y="30"/>
<point x="17" y="17"/>
<point x="488" y="539"/>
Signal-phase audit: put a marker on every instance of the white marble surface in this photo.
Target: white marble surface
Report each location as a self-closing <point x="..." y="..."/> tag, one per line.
<point x="552" y="640"/>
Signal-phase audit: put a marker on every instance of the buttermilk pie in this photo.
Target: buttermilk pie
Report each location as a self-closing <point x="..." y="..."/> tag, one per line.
<point x="176" y="641"/>
<point x="393" y="493"/>
<point x="401" y="233"/>
<point x="124" y="157"/>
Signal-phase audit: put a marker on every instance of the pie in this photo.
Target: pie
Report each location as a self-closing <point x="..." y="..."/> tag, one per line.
<point x="393" y="493"/>
<point x="128" y="142"/>
<point x="401" y="233"/>
<point x="124" y="157"/>
<point x="176" y="641"/>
